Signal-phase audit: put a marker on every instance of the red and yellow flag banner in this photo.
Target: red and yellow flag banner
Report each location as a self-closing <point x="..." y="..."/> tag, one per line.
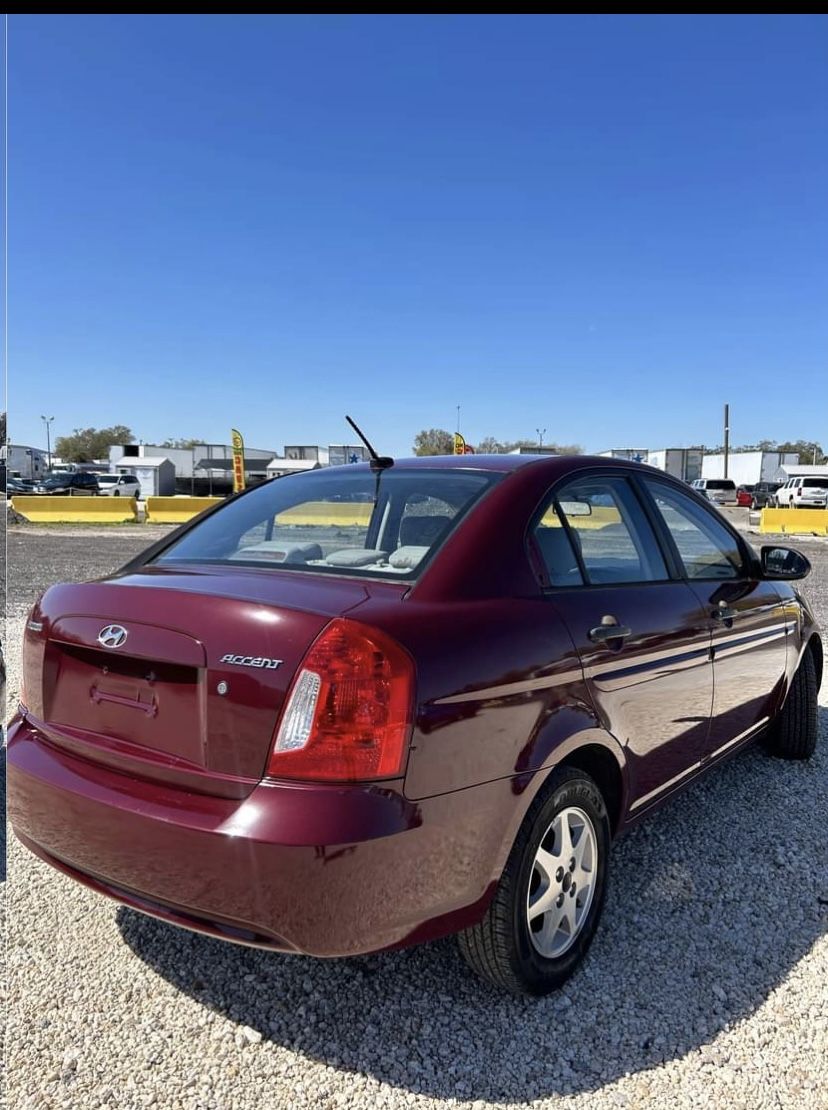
<point x="238" y="461"/>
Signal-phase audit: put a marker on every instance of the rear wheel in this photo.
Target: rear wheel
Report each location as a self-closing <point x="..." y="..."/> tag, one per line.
<point x="793" y="733"/>
<point x="548" y="902"/>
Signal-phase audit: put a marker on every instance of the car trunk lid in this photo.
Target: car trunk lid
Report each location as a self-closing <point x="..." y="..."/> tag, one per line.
<point x="192" y="691"/>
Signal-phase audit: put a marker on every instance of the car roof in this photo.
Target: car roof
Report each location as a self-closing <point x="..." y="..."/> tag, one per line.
<point x="555" y="464"/>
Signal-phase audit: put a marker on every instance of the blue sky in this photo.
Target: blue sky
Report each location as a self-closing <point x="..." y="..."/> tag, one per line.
<point x="604" y="227"/>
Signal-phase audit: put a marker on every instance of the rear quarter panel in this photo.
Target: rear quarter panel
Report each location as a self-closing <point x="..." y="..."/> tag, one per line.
<point x="500" y="692"/>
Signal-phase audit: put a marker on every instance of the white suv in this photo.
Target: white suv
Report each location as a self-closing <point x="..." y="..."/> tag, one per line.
<point x="119" y="485"/>
<point x="803" y="493"/>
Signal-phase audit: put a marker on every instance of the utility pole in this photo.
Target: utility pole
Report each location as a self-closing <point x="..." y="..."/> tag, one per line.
<point x="47" y="420"/>
<point x="726" y="436"/>
<point x="458" y="419"/>
<point x="541" y="434"/>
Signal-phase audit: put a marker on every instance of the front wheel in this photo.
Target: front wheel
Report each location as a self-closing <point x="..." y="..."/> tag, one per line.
<point x="793" y="732"/>
<point x="548" y="902"/>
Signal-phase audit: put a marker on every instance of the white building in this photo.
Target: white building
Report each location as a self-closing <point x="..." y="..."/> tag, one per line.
<point x="278" y="468"/>
<point x="205" y="468"/>
<point x="749" y="467"/>
<point x="789" y="470"/>
<point x="341" y="453"/>
<point x="187" y="460"/>
<point x="155" y="474"/>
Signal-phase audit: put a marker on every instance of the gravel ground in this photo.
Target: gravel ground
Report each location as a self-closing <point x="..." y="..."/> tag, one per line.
<point x="706" y="985"/>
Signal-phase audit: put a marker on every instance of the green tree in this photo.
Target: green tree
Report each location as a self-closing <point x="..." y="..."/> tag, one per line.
<point x="86" y="444"/>
<point x="434" y="441"/>
<point x="807" y="452"/>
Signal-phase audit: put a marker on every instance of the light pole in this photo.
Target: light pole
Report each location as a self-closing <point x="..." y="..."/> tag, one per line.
<point x="541" y="434"/>
<point x="47" y="420"/>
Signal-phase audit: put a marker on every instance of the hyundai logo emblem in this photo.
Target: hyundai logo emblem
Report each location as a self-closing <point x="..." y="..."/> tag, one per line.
<point x="113" y="636"/>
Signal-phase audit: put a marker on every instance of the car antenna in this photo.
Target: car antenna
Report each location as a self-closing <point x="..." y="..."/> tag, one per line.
<point x="378" y="462"/>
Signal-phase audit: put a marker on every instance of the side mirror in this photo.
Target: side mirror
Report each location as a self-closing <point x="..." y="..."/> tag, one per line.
<point x="784" y="562"/>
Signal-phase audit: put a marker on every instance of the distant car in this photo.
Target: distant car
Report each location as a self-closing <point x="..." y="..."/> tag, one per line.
<point x="721" y="491"/>
<point x="18" y="485"/>
<point x="119" y="485"/>
<point x="67" y="485"/>
<point x="433" y="719"/>
<point x="803" y="493"/>
<point x="744" y="497"/>
<point x="763" y="494"/>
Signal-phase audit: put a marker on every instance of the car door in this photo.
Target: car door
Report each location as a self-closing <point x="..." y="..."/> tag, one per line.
<point x="641" y="632"/>
<point x="746" y="614"/>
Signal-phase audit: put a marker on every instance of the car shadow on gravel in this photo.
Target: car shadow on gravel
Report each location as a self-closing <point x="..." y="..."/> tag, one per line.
<point x="712" y="903"/>
<point x="3" y="811"/>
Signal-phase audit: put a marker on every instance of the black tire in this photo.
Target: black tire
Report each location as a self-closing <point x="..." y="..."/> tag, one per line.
<point x="117" y="493"/>
<point x="793" y="733"/>
<point x="500" y="947"/>
<point x="753" y="503"/>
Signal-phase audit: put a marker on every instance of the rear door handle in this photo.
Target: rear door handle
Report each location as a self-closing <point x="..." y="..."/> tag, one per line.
<point x="609" y="631"/>
<point x="723" y="613"/>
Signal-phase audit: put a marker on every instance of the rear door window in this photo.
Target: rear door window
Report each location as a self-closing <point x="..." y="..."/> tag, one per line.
<point x="608" y="537"/>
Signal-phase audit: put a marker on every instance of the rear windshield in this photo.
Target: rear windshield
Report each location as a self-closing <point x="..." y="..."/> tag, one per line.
<point x="383" y="524"/>
<point x="720" y="483"/>
<point x="815" y="483"/>
<point x="107" y="479"/>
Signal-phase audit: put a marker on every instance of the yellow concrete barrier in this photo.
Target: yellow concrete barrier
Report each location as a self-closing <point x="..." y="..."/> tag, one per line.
<point x="75" y="510"/>
<point x="813" y="521"/>
<point x="600" y="517"/>
<point x="177" y="510"/>
<point x="328" y="514"/>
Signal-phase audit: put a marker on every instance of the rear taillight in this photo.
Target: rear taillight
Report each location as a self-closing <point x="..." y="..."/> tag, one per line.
<point x="348" y="714"/>
<point x="31" y="670"/>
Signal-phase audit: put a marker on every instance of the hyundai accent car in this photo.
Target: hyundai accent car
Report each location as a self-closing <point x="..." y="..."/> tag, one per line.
<point x="372" y="705"/>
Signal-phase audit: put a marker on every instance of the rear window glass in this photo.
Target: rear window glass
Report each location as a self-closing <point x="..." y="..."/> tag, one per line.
<point x="720" y="483"/>
<point x="383" y="524"/>
<point x="815" y="483"/>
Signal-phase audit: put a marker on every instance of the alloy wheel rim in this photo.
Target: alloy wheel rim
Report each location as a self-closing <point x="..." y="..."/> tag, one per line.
<point x="562" y="882"/>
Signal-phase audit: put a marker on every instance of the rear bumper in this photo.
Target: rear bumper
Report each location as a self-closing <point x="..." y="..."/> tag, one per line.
<point x="323" y="870"/>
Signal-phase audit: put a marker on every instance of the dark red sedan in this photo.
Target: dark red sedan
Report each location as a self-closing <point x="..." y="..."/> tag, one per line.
<point x="371" y="705"/>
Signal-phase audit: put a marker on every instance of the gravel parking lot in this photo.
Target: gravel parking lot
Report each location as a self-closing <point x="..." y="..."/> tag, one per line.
<point x="705" y="987"/>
